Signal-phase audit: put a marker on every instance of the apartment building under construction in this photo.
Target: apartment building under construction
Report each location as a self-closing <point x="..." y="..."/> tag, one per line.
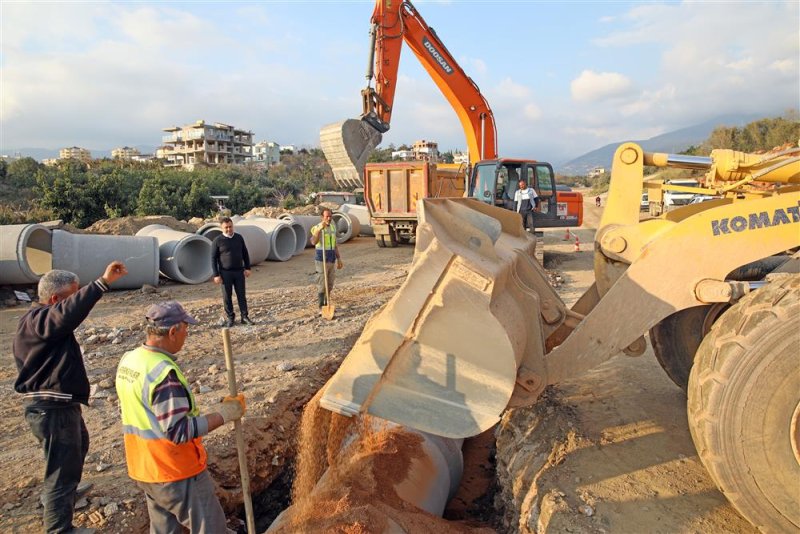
<point x="205" y="144"/>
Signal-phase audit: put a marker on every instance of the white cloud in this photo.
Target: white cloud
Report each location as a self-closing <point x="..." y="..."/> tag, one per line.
<point x="593" y="86"/>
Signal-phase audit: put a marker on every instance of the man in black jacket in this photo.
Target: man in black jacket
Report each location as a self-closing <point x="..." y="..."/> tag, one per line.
<point x="231" y="264"/>
<point x="53" y="382"/>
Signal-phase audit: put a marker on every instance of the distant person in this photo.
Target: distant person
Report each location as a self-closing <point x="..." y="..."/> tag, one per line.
<point x="54" y="384"/>
<point x="162" y="428"/>
<point x="597" y="201"/>
<point x="526" y="201"/>
<point x="323" y="237"/>
<point x="231" y="264"/>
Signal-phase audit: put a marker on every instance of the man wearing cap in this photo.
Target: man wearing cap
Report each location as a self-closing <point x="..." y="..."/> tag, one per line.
<point x="54" y="384"/>
<point x="162" y="428"/>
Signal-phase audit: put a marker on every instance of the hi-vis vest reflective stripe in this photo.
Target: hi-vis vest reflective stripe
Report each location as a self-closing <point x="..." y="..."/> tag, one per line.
<point x="328" y="237"/>
<point x="150" y="455"/>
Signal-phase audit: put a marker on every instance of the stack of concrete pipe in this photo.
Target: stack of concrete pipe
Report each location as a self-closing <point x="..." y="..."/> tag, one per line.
<point x="307" y="222"/>
<point x="255" y="239"/>
<point x="27" y="251"/>
<point x="362" y="214"/>
<point x="347" y="226"/>
<point x="298" y="229"/>
<point x="183" y="257"/>
<point x="281" y="236"/>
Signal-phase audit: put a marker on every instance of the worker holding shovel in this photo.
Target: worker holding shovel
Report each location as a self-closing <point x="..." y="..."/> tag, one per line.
<point x="323" y="237"/>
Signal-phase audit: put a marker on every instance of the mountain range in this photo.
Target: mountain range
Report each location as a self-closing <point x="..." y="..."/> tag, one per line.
<point x="671" y="142"/>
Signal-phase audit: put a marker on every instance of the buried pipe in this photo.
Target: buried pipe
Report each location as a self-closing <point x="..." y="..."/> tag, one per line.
<point x="362" y="214"/>
<point x="306" y="221"/>
<point x="347" y="226"/>
<point x="184" y="257"/>
<point x="88" y="255"/>
<point x="417" y="468"/>
<point x="25" y="253"/>
<point x="282" y="240"/>
<point x="255" y="239"/>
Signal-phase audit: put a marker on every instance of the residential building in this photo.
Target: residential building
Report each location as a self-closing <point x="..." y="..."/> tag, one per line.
<point x="462" y="158"/>
<point x="597" y="171"/>
<point x="205" y="144"/>
<point x="125" y="152"/>
<point x="75" y="152"/>
<point x="266" y="153"/>
<point x="426" y="150"/>
<point x="404" y="155"/>
<point x="288" y="148"/>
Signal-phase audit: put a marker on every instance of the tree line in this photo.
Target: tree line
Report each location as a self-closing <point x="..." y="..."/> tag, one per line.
<point x="81" y="193"/>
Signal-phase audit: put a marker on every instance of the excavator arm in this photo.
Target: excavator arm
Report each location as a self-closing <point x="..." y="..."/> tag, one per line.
<point x="347" y="144"/>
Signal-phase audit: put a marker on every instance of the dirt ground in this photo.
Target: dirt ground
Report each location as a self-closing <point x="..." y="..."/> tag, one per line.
<point x="615" y="440"/>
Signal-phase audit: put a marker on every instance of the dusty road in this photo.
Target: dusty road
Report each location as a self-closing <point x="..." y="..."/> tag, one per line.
<point x="620" y="435"/>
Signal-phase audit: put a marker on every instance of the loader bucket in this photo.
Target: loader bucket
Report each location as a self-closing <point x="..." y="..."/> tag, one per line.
<point x="442" y="355"/>
<point x="347" y="145"/>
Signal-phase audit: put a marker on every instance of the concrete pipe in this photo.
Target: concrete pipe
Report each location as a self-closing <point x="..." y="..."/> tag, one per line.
<point x="88" y="255"/>
<point x="255" y="239"/>
<point x="184" y="257"/>
<point x="306" y="221"/>
<point x="347" y="226"/>
<point x="281" y="237"/>
<point x="300" y="238"/>
<point x="25" y="253"/>
<point x="362" y="214"/>
<point x="431" y="479"/>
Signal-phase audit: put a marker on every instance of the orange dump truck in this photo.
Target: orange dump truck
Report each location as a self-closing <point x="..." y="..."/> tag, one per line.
<point x="393" y="189"/>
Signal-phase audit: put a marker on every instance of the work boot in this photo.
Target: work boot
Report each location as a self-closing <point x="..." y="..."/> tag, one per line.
<point x="321" y="299"/>
<point x="229" y="322"/>
<point x="247" y="320"/>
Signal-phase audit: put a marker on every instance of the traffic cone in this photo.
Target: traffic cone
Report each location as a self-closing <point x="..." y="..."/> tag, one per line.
<point x="567" y="237"/>
<point x="577" y="244"/>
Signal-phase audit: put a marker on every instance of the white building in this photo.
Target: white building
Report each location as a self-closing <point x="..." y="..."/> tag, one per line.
<point x="267" y="153"/>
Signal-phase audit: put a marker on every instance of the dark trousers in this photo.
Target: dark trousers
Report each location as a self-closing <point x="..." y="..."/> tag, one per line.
<point x="233" y="280"/>
<point x="527" y="218"/>
<point x="65" y="440"/>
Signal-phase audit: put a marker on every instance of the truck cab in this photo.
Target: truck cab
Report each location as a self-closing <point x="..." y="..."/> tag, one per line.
<point x="496" y="181"/>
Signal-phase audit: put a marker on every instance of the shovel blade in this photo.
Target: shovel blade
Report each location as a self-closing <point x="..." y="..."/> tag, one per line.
<point x="328" y="311"/>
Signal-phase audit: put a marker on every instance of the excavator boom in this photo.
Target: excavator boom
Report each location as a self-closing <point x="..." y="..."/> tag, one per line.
<point x="347" y="144"/>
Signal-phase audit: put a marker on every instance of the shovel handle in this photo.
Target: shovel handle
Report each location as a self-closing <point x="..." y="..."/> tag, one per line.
<point x="237" y="429"/>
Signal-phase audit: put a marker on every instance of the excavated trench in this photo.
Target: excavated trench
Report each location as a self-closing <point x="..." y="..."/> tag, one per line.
<point x="349" y="475"/>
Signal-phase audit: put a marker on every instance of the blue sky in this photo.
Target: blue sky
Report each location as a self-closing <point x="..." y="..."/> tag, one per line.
<point x="563" y="78"/>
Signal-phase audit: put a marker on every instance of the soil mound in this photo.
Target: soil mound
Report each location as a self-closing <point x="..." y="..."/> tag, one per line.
<point x="131" y="225"/>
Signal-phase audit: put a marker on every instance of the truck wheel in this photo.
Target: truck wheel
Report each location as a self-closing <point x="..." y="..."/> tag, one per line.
<point x="744" y="405"/>
<point x="391" y="239"/>
<point x="380" y="241"/>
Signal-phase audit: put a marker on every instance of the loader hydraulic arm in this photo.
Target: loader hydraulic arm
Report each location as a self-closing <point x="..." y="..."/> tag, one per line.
<point x="396" y="22"/>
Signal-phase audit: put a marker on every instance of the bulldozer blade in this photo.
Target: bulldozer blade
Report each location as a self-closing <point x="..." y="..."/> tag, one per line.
<point x="442" y="355"/>
<point x="347" y="146"/>
<point x="328" y="311"/>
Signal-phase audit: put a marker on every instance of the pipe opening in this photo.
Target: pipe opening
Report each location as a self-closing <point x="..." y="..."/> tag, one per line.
<point x="193" y="259"/>
<point x="38" y="251"/>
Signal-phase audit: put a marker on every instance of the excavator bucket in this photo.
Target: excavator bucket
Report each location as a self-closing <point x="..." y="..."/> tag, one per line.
<point x="443" y="355"/>
<point x="347" y="145"/>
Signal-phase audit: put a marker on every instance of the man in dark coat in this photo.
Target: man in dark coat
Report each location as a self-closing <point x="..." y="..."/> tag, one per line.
<point x="231" y="264"/>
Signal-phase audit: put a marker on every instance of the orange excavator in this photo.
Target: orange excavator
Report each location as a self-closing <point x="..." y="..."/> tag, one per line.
<point x="490" y="179"/>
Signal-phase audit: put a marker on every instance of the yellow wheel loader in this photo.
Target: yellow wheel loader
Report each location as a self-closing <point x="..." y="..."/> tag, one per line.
<point x="477" y="328"/>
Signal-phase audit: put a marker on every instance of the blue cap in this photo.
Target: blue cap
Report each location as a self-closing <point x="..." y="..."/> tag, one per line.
<point x="168" y="313"/>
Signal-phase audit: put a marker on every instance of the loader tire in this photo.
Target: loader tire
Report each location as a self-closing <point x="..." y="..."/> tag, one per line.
<point x="677" y="337"/>
<point x="744" y="405"/>
<point x="675" y="341"/>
